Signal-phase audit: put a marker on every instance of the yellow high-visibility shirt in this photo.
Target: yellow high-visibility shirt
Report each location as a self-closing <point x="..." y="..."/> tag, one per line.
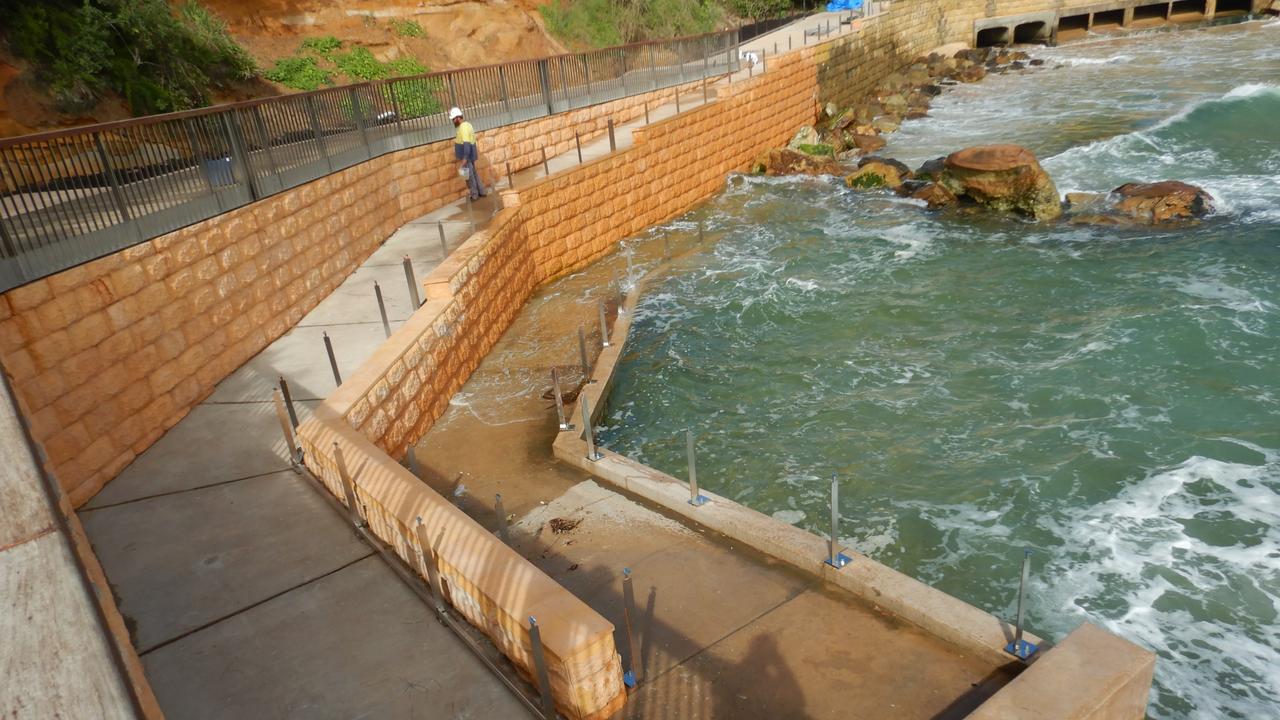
<point x="466" y="134"/>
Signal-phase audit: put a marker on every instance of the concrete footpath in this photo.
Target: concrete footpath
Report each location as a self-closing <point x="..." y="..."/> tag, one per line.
<point x="245" y="593"/>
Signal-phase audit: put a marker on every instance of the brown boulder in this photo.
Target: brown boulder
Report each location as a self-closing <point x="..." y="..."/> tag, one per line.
<point x="864" y="143"/>
<point x="874" y="174"/>
<point x="971" y="74"/>
<point x="1003" y="177"/>
<point x="1161" y="202"/>
<point x="786" y="161"/>
<point x="935" y="195"/>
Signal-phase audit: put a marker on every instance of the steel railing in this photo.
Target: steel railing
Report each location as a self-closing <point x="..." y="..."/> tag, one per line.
<point x="69" y="196"/>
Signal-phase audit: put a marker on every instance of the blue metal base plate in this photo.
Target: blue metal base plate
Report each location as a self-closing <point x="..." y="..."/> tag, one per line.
<point x="841" y="561"/>
<point x="629" y="679"/>
<point x="1021" y="649"/>
<point x="700" y="500"/>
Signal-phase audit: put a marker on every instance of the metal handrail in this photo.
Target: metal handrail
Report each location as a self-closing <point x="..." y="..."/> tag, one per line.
<point x="68" y="196"/>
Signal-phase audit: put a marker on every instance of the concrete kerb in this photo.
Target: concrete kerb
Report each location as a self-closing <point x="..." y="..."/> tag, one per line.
<point x="934" y="611"/>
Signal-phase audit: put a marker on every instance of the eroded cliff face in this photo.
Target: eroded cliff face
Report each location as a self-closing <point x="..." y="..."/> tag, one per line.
<point x="454" y="33"/>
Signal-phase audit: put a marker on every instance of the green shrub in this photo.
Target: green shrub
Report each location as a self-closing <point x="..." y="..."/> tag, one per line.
<point x="157" y="59"/>
<point x="300" y="73"/>
<point x="407" y="28"/>
<point x="404" y="66"/>
<point x="600" y="23"/>
<point x="360" y="64"/>
<point x="757" y="9"/>
<point x="322" y="46"/>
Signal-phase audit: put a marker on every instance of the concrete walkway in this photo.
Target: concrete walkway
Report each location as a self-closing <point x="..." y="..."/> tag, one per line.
<point x="245" y="593"/>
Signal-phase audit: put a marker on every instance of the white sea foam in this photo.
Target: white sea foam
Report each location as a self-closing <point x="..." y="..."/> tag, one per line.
<point x="1077" y="61"/>
<point x="790" y="517"/>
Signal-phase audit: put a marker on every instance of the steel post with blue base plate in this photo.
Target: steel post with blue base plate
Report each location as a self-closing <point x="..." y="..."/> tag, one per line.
<point x="835" y="558"/>
<point x="629" y="676"/>
<point x="1020" y="648"/>
<point x="696" y="499"/>
<point x="592" y="454"/>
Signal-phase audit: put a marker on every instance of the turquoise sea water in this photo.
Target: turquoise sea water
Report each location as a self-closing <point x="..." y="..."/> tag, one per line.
<point x="1108" y="398"/>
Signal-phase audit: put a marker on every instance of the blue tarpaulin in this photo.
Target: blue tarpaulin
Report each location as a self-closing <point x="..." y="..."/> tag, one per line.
<point x="838" y="5"/>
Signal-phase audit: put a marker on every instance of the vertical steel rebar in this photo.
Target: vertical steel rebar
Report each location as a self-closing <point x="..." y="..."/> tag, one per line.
<point x="630" y="677"/>
<point x="283" y="416"/>
<point x="333" y="361"/>
<point x="582" y="354"/>
<point x="348" y="486"/>
<point x="444" y="250"/>
<point x="1019" y="647"/>
<point x="604" y="327"/>
<point x="835" y="559"/>
<point x="559" y="397"/>
<point x="430" y="564"/>
<point x="501" y="512"/>
<point x="540" y="669"/>
<point x="588" y="433"/>
<point x="578" y="142"/>
<point x="696" y="498"/>
<point x="288" y="402"/>
<point x="412" y="281"/>
<point x="546" y="167"/>
<point x="382" y="309"/>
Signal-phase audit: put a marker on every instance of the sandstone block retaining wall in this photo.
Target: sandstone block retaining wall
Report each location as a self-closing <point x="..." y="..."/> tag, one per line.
<point x="107" y="356"/>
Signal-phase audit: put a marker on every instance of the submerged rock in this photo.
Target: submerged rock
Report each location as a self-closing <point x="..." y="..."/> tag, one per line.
<point x="1162" y="202"/>
<point x="935" y="195"/>
<point x="789" y="161"/>
<point x="1003" y="177"/>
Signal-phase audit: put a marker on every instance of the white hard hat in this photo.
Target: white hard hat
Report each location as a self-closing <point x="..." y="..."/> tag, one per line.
<point x="455" y="113"/>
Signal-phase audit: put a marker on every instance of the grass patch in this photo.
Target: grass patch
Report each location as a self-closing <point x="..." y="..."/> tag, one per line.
<point x="601" y="23"/>
<point x="407" y="28"/>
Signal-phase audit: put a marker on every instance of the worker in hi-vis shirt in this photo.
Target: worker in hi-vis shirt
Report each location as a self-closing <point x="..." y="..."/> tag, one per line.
<point x="464" y="151"/>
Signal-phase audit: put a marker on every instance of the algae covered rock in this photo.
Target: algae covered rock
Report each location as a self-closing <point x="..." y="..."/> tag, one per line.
<point x="1003" y="177"/>
<point x="876" y="173"/>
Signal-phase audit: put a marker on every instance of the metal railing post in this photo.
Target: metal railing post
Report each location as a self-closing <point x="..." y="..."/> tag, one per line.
<point x="117" y="196"/>
<point x="546" y="167"/>
<point x="357" y="115"/>
<point x="453" y="91"/>
<point x="382" y="309"/>
<point x="240" y="158"/>
<point x="586" y="73"/>
<point x="613" y="144"/>
<point x="696" y="498"/>
<point x="653" y="68"/>
<point x="333" y="361"/>
<point x="413" y="281"/>
<point x="444" y="251"/>
<point x="506" y="97"/>
<point x="544" y="78"/>
<point x="348" y="486"/>
<point x="577" y="141"/>
<point x="540" y="670"/>
<point x="266" y="144"/>
<point x="309" y="102"/>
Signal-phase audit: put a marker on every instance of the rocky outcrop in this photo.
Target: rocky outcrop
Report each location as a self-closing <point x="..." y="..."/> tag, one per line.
<point x="1162" y="202"/>
<point x="788" y="161"/>
<point x="934" y="195"/>
<point x="1003" y="177"/>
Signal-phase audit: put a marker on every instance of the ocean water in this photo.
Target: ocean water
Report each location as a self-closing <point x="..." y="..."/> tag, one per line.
<point x="1108" y="398"/>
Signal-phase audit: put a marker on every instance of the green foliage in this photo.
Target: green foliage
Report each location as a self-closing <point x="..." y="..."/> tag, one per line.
<point x="323" y="46"/>
<point x="158" y="59"/>
<point x="600" y="23"/>
<point x="300" y="72"/>
<point x="821" y="149"/>
<point x="758" y="9"/>
<point x="406" y="65"/>
<point x="407" y="28"/>
<point x="360" y="64"/>
<point x="865" y="181"/>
